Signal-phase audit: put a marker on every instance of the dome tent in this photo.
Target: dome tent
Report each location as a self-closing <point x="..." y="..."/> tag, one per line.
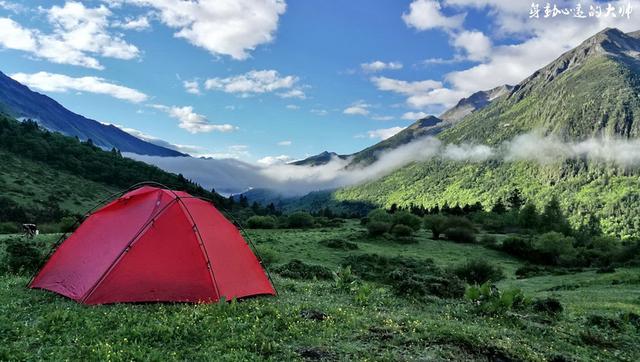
<point x="150" y="245"/>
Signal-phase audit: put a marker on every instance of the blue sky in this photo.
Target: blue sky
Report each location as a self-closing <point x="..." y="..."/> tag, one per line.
<point x="269" y="80"/>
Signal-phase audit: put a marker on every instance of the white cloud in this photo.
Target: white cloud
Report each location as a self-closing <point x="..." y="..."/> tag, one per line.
<point x="358" y="108"/>
<point x="11" y="6"/>
<point x="292" y="106"/>
<point x="476" y="45"/>
<point x="427" y="14"/>
<point x="192" y="86"/>
<point x="442" y="96"/>
<point x="382" y="118"/>
<point x="319" y="112"/>
<point x="404" y="87"/>
<point x="257" y="82"/>
<point x="384" y="133"/>
<point x="193" y="122"/>
<point x="14" y="36"/>
<point x="51" y="82"/>
<point x="285" y="143"/>
<point x="273" y="160"/>
<point x="79" y="34"/>
<point x="420" y="93"/>
<point x="414" y="116"/>
<point x="138" y="24"/>
<point x="377" y="66"/>
<point x="233" y="152"/>
<point x="294" y="93"/>
<point x="188" y="149"/>
<point x="232" y="28"/>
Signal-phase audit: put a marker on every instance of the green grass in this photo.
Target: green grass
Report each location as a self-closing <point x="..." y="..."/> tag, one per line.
<point x="31" y="184"/>
<point x="367" y="323"/>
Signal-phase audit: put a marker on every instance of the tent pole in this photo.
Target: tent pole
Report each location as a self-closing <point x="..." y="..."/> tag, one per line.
<point x="203" y="247"/>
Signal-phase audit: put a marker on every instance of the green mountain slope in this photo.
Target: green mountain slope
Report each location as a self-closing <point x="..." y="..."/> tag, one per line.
<point x="592" y="90"/>
<point x="45" y="176"/>
<point x="33" y="184"/>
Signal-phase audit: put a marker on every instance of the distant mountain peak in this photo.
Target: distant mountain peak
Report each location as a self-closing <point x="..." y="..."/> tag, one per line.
<point x="319" y="159"/>
<point x="613" y="41"/>
<point x="474" y="102"/>
<point x="610" y="42"/>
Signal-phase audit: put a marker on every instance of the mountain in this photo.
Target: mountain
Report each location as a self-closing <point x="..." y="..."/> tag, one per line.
<point x="427" y="126"/>
<point x="590" y="91"/>
<point x="473" y="103"/>
<point x="45" y="176"/>
<point x="18" y="101"/>
<point x="319" y="159"/>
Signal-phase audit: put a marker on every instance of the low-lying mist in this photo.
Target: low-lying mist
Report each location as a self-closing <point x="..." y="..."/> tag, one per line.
<point x="230" y="176"/>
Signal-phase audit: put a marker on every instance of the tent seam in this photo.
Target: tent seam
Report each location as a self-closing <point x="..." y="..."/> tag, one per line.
<point x="139" y="234"/>
<point x="203" y="247"/>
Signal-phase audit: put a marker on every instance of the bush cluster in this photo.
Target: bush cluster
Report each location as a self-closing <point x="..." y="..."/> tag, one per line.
<point x="297" y="269"/>
<point x="455" y="228"/>
<point x="296" y="220"/>
<point x="339" y="244"/>
<point x="262" y="222"/>
<point x="400" y="224"/>
<point x="22" y="255"/>
<point x="555" y="249"/>
<point x="478" y="271"/>
<point x="407" y="276"/>
<point x="489" y="300"/>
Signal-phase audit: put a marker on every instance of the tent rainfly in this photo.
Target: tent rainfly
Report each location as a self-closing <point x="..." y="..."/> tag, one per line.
<point x="151" y="245"/>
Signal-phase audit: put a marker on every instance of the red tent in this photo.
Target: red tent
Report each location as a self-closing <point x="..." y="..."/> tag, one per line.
<point x="154" y="244"/>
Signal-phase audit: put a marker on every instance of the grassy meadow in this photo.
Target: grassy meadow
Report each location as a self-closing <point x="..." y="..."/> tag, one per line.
<point x="345" y="318"/>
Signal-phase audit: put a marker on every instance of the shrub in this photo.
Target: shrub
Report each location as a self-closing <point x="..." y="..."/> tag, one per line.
<point x="459" y="222"/>
<point x="344" y="278"/>
<point x="549" y="305"/>
<point x="478" y="271"/>
<point x="374" y="267"/>
<point x="261" y="222"/>
<point x="402" y="231"/>
<point x="603" y="322"/>
<point x="339" y="244"/>
<point x="22" y="255"/>
<point x="517" y="246"/>
<point x="406" y="276"/>
<point x="268" y="256"/>
<point x="555" y="248"/>
<point x="377" y="228"/>
<point x="9" y="228"/>
<point x="406" y="283"/>
<point x="436" y="223"/>
<point x="461" y="235"/>
<point x="331" y="223"/>
<point x="407" y="219"/>
<point x="380" y="215"/>
<point x="300" y="220"/>
<point x="528" y="271"/>
<point x="490" y="300"/>
<point x="296" y="269"/>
